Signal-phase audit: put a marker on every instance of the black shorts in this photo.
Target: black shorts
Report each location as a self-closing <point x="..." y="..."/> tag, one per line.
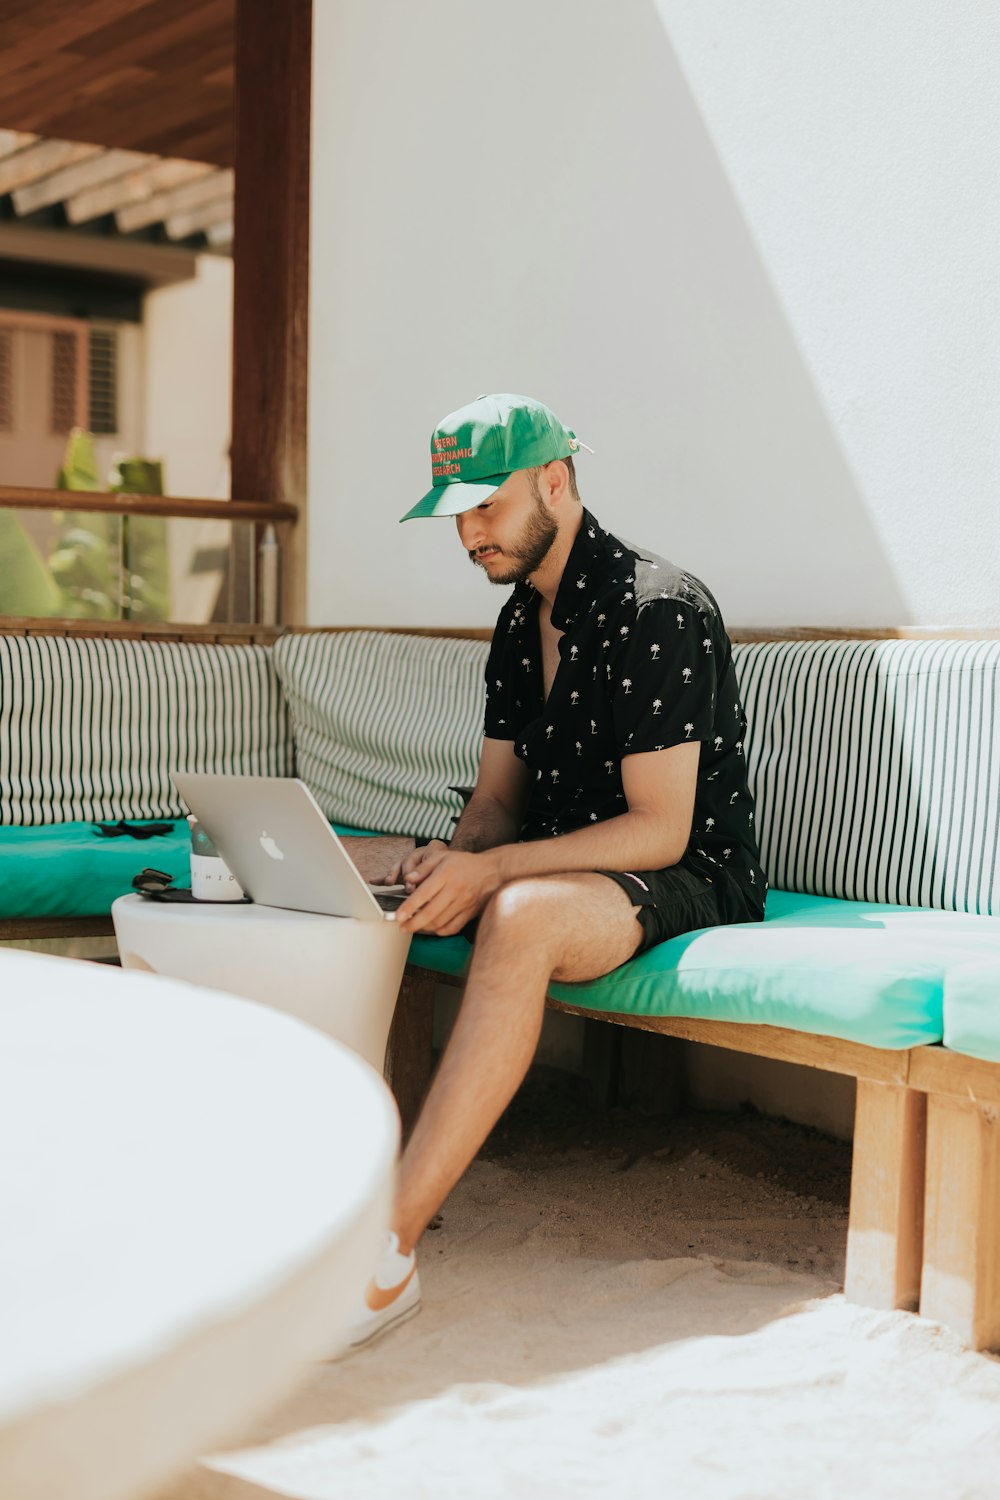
<point x="672" y="901"/>
<point x="679" y="899"/>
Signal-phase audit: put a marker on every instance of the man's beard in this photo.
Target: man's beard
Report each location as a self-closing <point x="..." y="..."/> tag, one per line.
<point x="530" y="550"/>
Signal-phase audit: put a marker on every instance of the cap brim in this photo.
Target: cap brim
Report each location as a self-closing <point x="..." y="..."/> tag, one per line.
<point x="454" y="499"/>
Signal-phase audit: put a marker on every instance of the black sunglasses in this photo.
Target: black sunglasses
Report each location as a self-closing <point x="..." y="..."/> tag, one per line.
<point x="148" y="882"/>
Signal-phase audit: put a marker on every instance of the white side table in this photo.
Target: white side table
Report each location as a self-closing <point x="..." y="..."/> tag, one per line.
<point x="340" y="975"/>
<point x="194" y="1189"/>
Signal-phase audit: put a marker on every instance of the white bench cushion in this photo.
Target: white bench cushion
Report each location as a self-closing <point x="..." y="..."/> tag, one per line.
<point x="384" y="724"/>
<point x="90" y="729"/>
<point x="876" y="768"/>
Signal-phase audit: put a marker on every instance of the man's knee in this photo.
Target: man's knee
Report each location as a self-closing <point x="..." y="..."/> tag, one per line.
<point x="521" y="911"/>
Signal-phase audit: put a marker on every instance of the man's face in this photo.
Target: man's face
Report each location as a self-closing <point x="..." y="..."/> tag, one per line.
<point x="510" y="534"/>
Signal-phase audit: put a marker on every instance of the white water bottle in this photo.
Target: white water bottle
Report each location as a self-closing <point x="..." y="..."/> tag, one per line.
<point x="211" y="877"/>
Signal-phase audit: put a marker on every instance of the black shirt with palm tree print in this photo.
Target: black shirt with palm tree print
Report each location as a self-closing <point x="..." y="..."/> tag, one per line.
<point x="644" y="663"/>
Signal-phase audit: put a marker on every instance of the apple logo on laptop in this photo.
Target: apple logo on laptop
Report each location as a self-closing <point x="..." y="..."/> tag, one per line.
<point x="269" y="846"/>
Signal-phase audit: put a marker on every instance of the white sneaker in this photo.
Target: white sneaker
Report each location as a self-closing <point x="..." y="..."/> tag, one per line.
<point x="392" y="1295"/>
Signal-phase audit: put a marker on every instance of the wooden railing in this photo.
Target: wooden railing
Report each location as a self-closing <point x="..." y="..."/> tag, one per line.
<point x="16" y="497"/>
<point x="257" y="568"/>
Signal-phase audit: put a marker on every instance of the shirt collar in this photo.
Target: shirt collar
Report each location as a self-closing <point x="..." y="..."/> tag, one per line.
<point x="591" y="559"/>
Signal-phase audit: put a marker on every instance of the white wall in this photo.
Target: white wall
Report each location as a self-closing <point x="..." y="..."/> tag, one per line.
<point x="186" y="400"/>
<point x="747" y="251"/>
<point x="187" y="416"/>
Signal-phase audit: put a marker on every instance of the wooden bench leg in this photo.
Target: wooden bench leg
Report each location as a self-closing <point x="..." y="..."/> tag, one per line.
<point x="601" y="1058"/>
<point x="961" y="1278"/>
<point x="408" y="1054"/>
<point x="885" y="1233"/>
<point x="651" y="1072"/>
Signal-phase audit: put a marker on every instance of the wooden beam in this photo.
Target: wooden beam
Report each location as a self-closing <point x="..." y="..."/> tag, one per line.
<point x="130" y="630"/>
<point x="15" y="140"/>
<point x="218" y="211"/>
<point x="25" y="929"/>
<point x="203" y="189"/>
<point x="748" y="635"/>
<point x="156" y="265"/>
<point x="961" y="1273"/>
<point x="885" y="1232"/>
<point x="938" y="1070"/>
<point x="134" y="187"/>
<point x="39" y="161"/>
<point x="91" y="172"/>
<point x="827" y="1052"/>
<point x="271" y="267"/>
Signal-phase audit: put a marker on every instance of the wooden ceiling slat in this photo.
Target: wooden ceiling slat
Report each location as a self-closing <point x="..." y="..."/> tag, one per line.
<point x="161" y="205"/>
<point x="134" y="187"/>
<point x="91" y="172"/>
<point x="73" y="70"/>
<point x="222" y="77"/>
<point x="139" y="75"/>
<point x="26" y="90"/>
<point x="196" y="52"/>
<point x="216" y="211"/>
<point x="14" y="11"/>
<point x="220" y="234"/>
<point x="15" y="140"/>
<point x="39" y="160"/>
<point x="133" y="122"/>
<point x="214" y="144"/>
<point x="28" y="20"/>
<point x="147" y="23"/>
<point x="117" y="81"/>
<point x="196" y="140"/>
<point x="60" y="25"/>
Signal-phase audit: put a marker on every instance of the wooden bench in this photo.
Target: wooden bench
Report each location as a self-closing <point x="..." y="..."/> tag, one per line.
<point x="925" y="1199"/>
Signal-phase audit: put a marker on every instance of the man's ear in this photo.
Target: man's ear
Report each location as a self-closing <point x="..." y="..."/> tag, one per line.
<point x="557" y="476"/>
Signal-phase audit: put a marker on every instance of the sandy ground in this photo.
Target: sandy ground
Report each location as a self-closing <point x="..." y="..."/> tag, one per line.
<point x="614" y="1305"/>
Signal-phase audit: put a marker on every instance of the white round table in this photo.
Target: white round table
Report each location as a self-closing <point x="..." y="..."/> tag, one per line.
<point x="194" y="1188"/>
<point x="340" y="975"/>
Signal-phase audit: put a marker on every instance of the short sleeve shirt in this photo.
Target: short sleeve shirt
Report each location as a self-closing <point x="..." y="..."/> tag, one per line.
<point x="644" y="664"/>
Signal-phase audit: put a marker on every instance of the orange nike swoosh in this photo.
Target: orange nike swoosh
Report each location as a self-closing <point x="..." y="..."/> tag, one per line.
<point x="376" y="1298"/>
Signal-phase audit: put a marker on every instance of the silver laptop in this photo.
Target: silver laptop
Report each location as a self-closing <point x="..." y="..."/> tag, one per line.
<point x="274" y="836"/>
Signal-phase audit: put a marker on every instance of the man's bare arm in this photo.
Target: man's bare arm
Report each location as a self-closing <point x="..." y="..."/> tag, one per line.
<point x="451" y="886"/>
<point x="494" y="811"/>
<point x="491" y="817"/>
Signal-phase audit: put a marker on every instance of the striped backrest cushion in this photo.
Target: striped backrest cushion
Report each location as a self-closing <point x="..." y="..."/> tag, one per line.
<point x="384" y="724"/>
<point x="876" y="768"/>
<point x="92" y="728"/>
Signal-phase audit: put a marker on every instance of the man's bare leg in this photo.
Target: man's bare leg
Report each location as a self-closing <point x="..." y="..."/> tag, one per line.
<point x="375" y="857"/>
<point x="564" y="927"/>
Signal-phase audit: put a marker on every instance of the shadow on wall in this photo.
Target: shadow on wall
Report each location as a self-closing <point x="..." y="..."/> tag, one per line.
<point x="807" y="524"/>
<point x="768" y="504"/>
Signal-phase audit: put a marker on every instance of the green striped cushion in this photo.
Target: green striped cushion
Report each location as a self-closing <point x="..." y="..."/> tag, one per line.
<point x="384" y="724"/>
<point x="876" y="768"/>
<point x="91" y="729"/>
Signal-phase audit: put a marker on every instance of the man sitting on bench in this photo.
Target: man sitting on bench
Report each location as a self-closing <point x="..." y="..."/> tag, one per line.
<point x="611" y="809"/>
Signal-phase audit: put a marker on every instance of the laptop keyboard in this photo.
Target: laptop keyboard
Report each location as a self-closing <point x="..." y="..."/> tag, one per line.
<point x="388" y="899"/>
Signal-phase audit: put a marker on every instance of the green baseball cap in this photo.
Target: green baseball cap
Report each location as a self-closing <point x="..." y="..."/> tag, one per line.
<point x="474" y="449"/>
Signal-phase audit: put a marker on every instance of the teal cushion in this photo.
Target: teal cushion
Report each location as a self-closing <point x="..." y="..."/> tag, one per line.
<point x="68" y="870"/>
<point x="972" y="1009"/>
<point x="858" y="970"/>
